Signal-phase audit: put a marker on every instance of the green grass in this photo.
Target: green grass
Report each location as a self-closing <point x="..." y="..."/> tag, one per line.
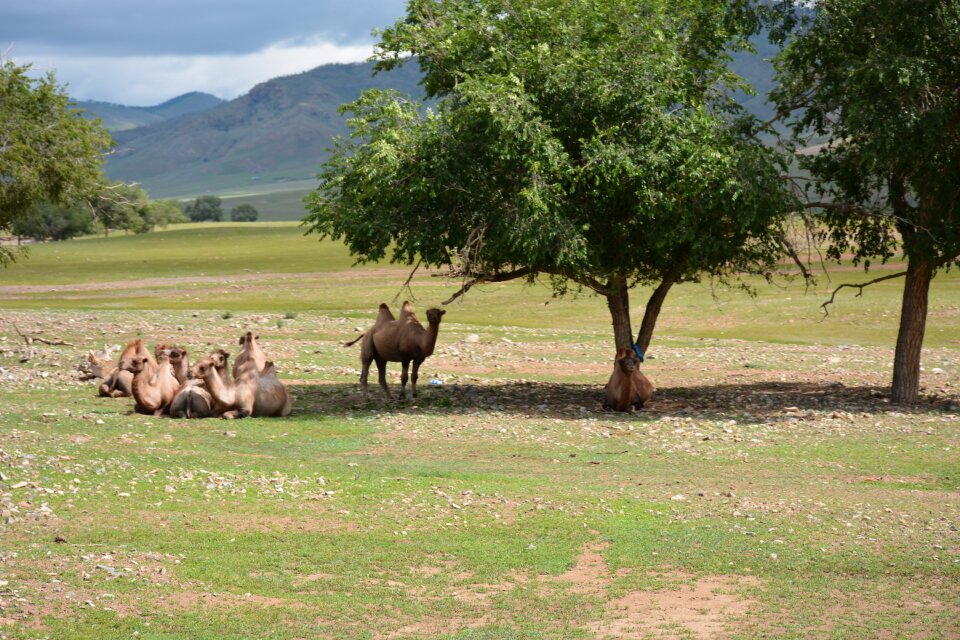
<point x="770" y="477"/>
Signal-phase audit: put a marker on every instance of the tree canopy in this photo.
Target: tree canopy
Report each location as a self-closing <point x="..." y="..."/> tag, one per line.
<point x="49" y="153"/>
<point x="879" y="81"/>
<point x="205" y="208"/>
<point x="53" y="222"/>
<point x="244" y="213"/>
<point x="593" y="142"/>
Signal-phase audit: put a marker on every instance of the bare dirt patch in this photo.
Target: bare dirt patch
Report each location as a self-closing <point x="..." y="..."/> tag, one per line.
<point x="698" y="608"/>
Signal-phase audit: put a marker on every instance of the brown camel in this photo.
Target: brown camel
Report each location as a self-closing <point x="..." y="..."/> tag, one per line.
<point x="178" y="360"/>
<point x="153" y="386"/>
<point x="193" y="399"/>
<point x="119" y="382"/>
<point x="403" y="340"/>
<point x="250" y="351"/>
<point x="96" y="366"/>
<point x="627" y="389"/>
<point x="255" y="392"/>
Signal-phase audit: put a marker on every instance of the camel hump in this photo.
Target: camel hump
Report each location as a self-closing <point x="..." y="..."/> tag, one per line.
<point x="383" y="315"/>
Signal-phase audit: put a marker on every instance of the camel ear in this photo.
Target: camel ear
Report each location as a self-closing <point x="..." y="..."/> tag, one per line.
<point x="443" y="311"/>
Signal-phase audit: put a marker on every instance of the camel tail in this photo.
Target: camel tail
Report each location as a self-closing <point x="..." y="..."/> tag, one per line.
<point x="354" y="341"/>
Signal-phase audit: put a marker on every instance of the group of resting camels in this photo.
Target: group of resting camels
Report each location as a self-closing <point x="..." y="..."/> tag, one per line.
<point x="164" y="383"/>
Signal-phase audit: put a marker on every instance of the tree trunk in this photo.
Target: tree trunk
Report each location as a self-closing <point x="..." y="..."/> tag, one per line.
<point x="654" y="304"/>
<point x="618" y="301"/>
<point x="913" y="322"/>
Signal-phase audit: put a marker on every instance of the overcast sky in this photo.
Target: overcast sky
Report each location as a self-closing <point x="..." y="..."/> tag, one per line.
<point x="143" y="52"/>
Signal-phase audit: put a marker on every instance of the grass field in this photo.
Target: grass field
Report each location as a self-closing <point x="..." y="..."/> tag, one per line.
<point x="770" y="491"/>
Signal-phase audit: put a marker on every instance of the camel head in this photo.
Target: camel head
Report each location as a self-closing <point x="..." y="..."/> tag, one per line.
<point x="133" y="350"/>
<point x="248" y="339"/>
<point x="135" y="365"/>
<point x="161" y="348"/>
<point x="219" y="358"/>
<point x="202" y="368"/>
<point x="627" y="360"/>
<point x="177" y="354"/>
<point x="434" y="315"/>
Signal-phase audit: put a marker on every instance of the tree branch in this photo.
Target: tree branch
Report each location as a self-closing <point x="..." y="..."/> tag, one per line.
<point x="792" y="252"/>
<point x="860" y="286"/>
<point x="487" y="278"/>
<point x="406" y="284"/>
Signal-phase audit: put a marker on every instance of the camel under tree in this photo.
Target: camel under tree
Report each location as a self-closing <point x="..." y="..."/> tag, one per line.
<point x="404" y="340"/>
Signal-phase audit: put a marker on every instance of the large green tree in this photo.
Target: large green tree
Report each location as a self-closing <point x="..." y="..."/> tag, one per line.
<point x="879" y="81"/>
<point x="49" y="153"/>
<point x="594" y="142"/>
<point x="121" y="206"/>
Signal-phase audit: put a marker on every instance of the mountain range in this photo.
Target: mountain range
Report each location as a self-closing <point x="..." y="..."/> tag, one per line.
<point x="118" y="117"/>
<point x="275" y="137"/>
<point x="277" y="133"/>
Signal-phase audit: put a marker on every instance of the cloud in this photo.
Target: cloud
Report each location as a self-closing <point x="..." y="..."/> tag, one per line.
<point x="142" y="80"/>
<point x="185" y="27"/>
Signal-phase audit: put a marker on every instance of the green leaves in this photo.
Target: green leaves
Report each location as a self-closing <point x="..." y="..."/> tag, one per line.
<point x="48" y="151"/>
<point x="880" y="78"/>
<point x="576" y="138"/>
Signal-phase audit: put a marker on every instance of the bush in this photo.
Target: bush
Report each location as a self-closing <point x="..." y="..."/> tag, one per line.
<point x="243" y="213"/>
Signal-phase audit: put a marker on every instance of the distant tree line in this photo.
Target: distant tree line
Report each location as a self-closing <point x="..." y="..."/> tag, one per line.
<point x="120" y="207"/>
<point x="210" y="209"/>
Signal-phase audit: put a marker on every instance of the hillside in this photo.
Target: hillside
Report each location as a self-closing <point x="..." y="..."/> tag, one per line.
<point x="118" y="117"/>
<point x="275" y="137"/>
<point x="278" y="132"/>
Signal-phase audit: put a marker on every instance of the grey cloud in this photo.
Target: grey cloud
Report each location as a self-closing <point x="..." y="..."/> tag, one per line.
<point x="184" y="27"/>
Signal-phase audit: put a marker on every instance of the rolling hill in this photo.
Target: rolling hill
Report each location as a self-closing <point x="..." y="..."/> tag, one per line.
<point x="276" y="134"/>
<point x="118" y="117"/>
<point x="266" y="147"/>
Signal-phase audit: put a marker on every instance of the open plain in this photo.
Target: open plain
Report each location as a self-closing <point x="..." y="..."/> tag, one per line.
<point x="769" y="491"/>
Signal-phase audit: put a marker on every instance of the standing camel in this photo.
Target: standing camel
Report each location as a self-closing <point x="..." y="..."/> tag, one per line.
<point x="403" y="340"/>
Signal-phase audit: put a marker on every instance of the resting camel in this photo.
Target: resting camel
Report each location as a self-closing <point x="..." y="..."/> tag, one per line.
<point x="153" y="385"/>
<point x="193" y="399"/>
<point x="180" y="364"/>
<point x="119" y="382"/>
<point x="255" y="392"/>
<point x="250" y="351"/>
<point x="627" y="389"/>
<point x="403" y="340"/>
<point x="96" y="365"/>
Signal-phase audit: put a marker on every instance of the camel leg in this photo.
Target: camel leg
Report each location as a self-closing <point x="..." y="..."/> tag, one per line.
<point x="414" y="375"/>
<point x="382" y="377"/>
<point x="364" y="374"/>
<point x="404" y="376"/>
